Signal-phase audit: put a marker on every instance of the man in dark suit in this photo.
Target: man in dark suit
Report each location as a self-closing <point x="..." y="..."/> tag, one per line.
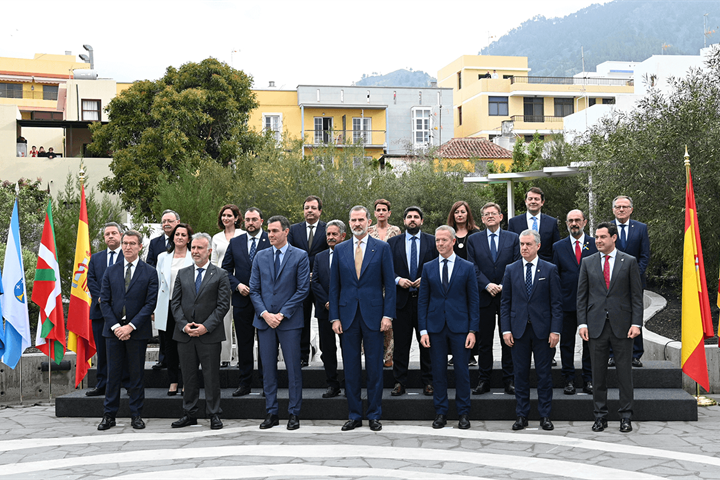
<point x="632" y="239"/>
<point x="96" y="269"/>
<point x="410" y="252"/>
<point x="534" y="219"/>
<point x="320" y="285"/>
<point x="448" y="314"/>
<point x="238" y="262"/>
<point x="567" y="255"/>
<point x="360" y="313"/>
<point x="200" y="300"/>
<point x="610" y="313"/>
<point x="310" y="237"/>
<point x="531" y="318"/>
<point x="129" y="294"/>
<point x="279" y="283"/>
<point x="491" y="251"/>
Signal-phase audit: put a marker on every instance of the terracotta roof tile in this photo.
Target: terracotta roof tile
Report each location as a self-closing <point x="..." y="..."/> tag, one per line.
<point x="472" y="148"/>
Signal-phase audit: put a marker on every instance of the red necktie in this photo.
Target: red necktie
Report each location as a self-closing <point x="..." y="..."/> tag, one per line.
<point x="578" y="252"/>
<point x="606" y="271"/>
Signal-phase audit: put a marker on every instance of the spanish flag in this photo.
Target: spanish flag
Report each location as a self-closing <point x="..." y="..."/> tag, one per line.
<point x="696" y="319"/>
<point x="80" y="337"/>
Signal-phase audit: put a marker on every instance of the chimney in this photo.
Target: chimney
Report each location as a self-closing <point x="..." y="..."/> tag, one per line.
<point x="272" y="84"/>
<point x="433" y="84"/>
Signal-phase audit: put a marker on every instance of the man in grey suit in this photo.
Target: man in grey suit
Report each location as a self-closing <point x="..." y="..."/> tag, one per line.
<point x="200" y="300"/>
<point x="610" y="313"/>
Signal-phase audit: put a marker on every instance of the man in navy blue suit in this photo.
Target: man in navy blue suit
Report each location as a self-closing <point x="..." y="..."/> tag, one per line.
<point x="320" y="285"/>
<point x="309" y="236"/>
<point x="491" y="251"/>
<point x="534" y="219"/>
<point x="129" y="294"/>
<point x="567" y="255"/>
<point x="360" y="313"/>
<point x="531" y="318"/>
<point x="96" y="269"/>
<point x="410" y="252"/>
<point x="632" y="239"/>
<point x="238" y="262"/>
<point x="279" y="282"/>
<point x="448" y="314"/>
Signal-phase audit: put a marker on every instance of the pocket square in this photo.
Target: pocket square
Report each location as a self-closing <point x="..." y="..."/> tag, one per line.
<point x="541" y="279"/>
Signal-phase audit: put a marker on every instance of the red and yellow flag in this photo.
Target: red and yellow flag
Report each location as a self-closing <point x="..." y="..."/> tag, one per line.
<point x="696" y="320"/>
<point x="80" y="335"/>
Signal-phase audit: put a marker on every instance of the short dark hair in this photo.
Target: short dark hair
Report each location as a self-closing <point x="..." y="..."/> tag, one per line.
<point x="310" y="199"/>
<point x="133" y="233"/>
<point x="284" y="222"/>
<point x="382" y="201"/>
<point x="413" y="209"/>
<point x="536" y="190"/>
<point x="611" y="228"/>
<point x="236" y="212"/>
<point x="171" y="243"/>
<point x="113" y="224"/>
<point x="255" y="209"/>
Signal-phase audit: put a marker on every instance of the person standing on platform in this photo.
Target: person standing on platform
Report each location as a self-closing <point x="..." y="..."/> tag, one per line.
<point x="279" y="283"/>
<point x="449" y="315"/>
<point x="531" y="318"/>
<point x="534" y="219"/>
<point x="410" y="252"/>
<point x="610" y="314"/>
<point x="567" y="256"/>
<point x="360" y="312"/>
<point x="310" y="237"/>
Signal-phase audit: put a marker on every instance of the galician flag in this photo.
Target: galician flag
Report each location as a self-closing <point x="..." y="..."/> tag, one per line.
<point x="50" y="337"/>
<point x="696" y="319"/>
<point x="80" y="335"/>
<point x="14" y="300"/>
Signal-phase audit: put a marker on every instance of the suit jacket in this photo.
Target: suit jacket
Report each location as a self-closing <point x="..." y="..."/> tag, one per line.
<point x="427" y="252"/>
<point x="164" y="273"/>
<point x="569" y="269"/>
<point x="486" y="270"/>
<point x="237" y="263"/>
<point x="320" y="283"/>
<point x="96" y="270"/>
<point x="282" y="295"/>
<point x="622" y="303"/>
<point x="543" y="309"/>
<point x="458" y="308"/>
<point x="549" y="233"/>
<point x="208" y="306"/>
<point x="637" y="244"/>
<point x="348" y="293"/>
<point x="139" y="301"/>
<point x="298" y="238"/>
<point x="156" y="247"/>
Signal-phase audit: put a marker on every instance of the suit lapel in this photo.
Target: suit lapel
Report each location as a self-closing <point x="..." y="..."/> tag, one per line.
<point x="207" y="276"/>
<point x="369" y="253"/>
<point x="303" y="244"/>
<point x="286" y="257"/>
<point x="619" y="265"/>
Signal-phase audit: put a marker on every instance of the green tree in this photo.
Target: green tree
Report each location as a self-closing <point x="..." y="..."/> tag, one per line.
<point x="29" y="266"/>
<point x="32" y="201"/>
<point x="195" y="114"/>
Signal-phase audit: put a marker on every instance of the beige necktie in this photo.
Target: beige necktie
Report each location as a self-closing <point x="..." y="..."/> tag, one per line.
<point x="358" y="259"/>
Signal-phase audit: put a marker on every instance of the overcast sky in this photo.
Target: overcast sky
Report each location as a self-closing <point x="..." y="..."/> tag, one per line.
<point x="332" y="42"/>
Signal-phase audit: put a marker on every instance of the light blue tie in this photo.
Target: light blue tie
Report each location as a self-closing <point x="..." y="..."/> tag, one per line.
<point x="198" y="280"/>
<point x="528" y="279"/>
<point x="534" y="225"/>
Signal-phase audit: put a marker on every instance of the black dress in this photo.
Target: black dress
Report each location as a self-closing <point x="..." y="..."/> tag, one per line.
<point x="460" y="247"/>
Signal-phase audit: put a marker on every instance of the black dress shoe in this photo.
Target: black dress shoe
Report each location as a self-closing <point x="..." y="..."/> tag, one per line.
<point x="625" y="425"/>
<point x="269" y="422"/>
<point x="351" y="425"/>
<point x="185" y="421"/>
<point x="569" y="388"/>
<point x="482" y="387"/>
<point x="215" y="422"/>
<point x="520" y="423"/>
<point x="636" y="362"/>
<point x="599" y="425"/>
<point x="137" y="423"/>
<point x="172" y="393"/>
<point x="106" y="422"/>
<point x="546" y="424"/>
<point x="588" y="388"/>
<point x="472" y="361"/>
<point x="331" y="392"/>
<point x="611" y="362"/>
<point x="158" y="366"/>
<point x="451" y="362"/>
<point x="224" y="364"/>
<point x="398" y="390"/>
<point x="553" y="363"/>
<point x="375" y="425"/>
<point x="510" y="388"/>
<point x="440" y="421"/>
<point x="293" y="422"/>
<point x="241" y="391"/>
<point x="463" y="422"/>
<point x="428" y="391"/>
<point x="95" y="392"/>
<point x="304" y="363"/>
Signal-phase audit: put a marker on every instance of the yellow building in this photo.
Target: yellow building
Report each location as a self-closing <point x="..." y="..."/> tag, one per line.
<point x="490" y="90"/>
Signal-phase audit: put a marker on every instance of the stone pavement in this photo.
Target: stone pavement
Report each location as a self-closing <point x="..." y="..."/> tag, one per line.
<point x="36" y="444"/>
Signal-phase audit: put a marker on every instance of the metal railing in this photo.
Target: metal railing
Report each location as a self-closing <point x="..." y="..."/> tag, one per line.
<point x="535" y="118"/>
<point x="345" y="138"/>
<point x="605" y="82"/>
<point x="29" y="94"/>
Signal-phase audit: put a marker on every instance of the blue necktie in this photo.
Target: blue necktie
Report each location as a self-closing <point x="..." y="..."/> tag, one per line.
<point x="493" y="249"/>
<point x="112" y="259"/>
<point x="198" y="280"/>
<point x="277" y="263"/>
<point x="445" y="281"/>
<point x="623" y="239"/>
<point x="253" y="248"/>
<point x="534" y="225"/>
<point x="528" y="279"/>
<point x="413" y="259"/>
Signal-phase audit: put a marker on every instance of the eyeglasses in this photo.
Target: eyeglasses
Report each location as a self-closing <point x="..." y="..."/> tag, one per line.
<point x="621" y="207"/>
<point x="491" y="214"/>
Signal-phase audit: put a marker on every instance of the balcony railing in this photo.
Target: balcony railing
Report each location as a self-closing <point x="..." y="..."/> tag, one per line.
<point x="345" y="138"/>
<point x="604" y="82"/>
<point x="29" y="95"/>
<point x="535" y="118"/>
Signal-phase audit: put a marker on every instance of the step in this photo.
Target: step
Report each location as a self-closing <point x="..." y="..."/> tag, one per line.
<point x="651" y="404"/>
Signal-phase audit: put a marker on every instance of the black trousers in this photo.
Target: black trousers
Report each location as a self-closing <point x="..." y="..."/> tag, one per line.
<point x="245" y="332"/>
<point x="567" y="350"/>
<point x="328" y="347"/>
<point x="600" y="351"/>
<point x="172" y="359"/>
<point x="305" y="334"/>
<point x="489" y="318"/>
<point x="406" y="320"/>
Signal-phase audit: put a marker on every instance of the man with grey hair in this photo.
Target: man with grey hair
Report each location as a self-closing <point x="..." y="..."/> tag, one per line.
<point x="361" y="271"/>
<point x="320" y="285"/>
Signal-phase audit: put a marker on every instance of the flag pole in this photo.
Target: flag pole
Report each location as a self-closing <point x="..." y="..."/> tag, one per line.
<point x="21" y="380"/>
